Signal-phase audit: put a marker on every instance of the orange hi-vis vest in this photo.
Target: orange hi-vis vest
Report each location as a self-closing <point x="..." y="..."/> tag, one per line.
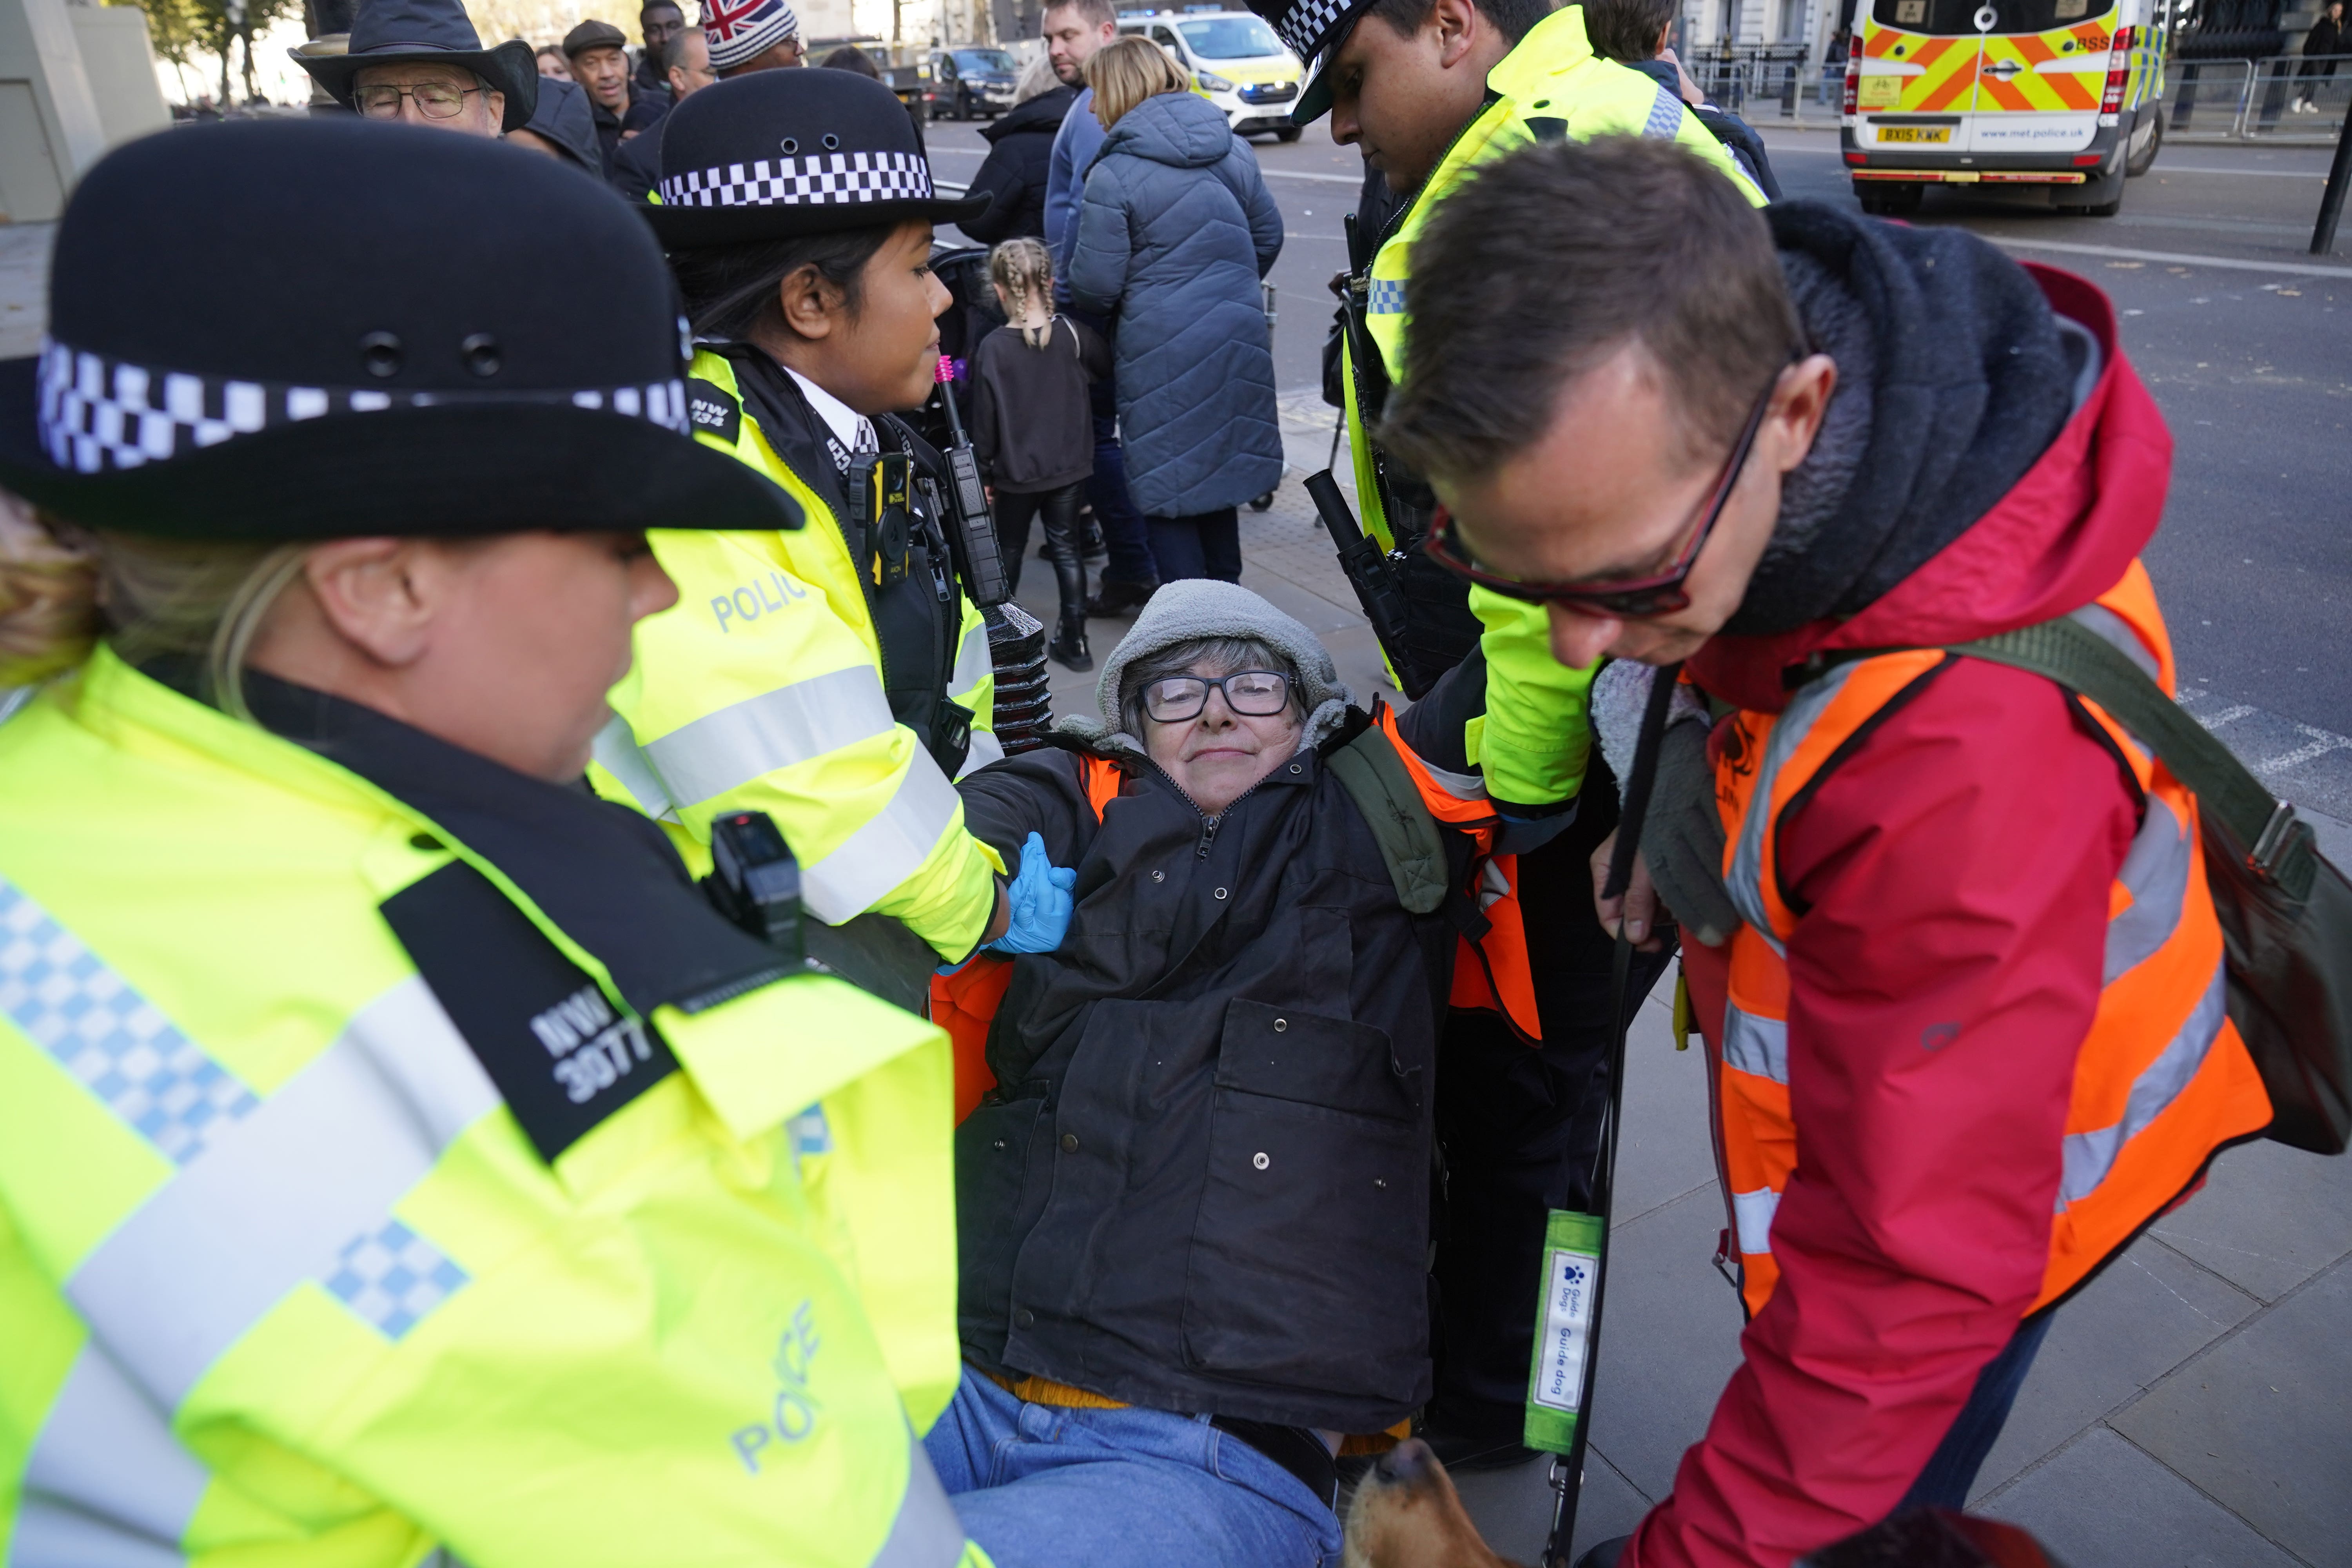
<point x="2162" y="1081"/>
<point x="1493" y="963"/>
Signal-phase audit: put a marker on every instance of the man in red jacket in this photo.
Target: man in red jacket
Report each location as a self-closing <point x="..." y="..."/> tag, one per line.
<point x="1946" y="927"/>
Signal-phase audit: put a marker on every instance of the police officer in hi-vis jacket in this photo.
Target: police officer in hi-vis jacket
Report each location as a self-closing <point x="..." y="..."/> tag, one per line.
<point x="400" y="1160"/>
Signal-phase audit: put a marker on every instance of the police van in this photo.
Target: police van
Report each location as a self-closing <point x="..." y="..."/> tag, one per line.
<point x="1234" y="60"/>
<point x="2061" y="98"/>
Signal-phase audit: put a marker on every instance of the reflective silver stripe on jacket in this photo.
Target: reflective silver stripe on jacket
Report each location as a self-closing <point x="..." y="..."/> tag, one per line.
<point x="1755" y="1045"/>
<point x="1666" y="116"/>
<point x="759" y="735"/>
<point x="985" y="749"/>
<point x="2155" y="873"/>
<point x="115" y="1043"/>
<point x="106" y="1481"/>
<point x="2091" y="1155"/>
<point x="1461" y="786"/>
<point x="889" y="847"/>
<point x="1746" y="883"/>
<point x="301" y="1188"/>
<point x="926" y="1533"/>
<point x="617" y="752"/>
<point x="973" y="660"/>
<point x="1752" y="1212"/>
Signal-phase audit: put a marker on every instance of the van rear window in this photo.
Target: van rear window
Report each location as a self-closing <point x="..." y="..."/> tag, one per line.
<point x="1958" y="16"/>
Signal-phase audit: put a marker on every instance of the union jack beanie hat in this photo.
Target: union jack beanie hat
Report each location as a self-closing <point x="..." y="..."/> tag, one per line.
<point x="739" y="30"/>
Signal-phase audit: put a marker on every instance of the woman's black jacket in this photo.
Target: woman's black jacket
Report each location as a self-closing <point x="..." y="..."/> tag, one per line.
<point x="1202" y="1182"/>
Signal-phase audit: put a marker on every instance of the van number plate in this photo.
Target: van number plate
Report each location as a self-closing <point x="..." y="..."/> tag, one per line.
<point x="1914" y="134"/>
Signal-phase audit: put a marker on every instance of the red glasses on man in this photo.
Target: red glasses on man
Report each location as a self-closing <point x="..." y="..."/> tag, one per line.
<point x="1660" y="593"/>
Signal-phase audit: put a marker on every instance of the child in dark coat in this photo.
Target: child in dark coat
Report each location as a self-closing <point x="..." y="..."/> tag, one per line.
<point x="1033" y="428"/>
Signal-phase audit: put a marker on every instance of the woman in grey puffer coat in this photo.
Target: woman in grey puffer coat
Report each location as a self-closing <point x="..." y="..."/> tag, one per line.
<point x="1174" y="231"/>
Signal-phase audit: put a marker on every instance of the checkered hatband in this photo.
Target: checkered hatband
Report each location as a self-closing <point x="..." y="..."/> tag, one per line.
<point x="821" y="179"/>
<point x="1304" y="26"/>
<point x="97" y="413"/>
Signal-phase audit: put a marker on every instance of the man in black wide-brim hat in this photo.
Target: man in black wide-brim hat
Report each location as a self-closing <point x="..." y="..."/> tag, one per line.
<point x="375" y="1101"/>
<point x="839" y="678"/>
<point x="421" y="61"/>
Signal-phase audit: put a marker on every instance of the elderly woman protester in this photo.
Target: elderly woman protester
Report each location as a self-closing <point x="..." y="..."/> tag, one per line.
<point x="1174" y="232"/>
<point x="1194" y="1207"/>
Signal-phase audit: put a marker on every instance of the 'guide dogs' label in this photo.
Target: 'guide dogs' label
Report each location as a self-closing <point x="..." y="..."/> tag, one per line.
<point x="1565" y="1316"/>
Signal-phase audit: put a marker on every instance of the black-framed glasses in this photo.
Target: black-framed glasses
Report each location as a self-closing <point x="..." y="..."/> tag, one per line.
<point x="1659" y="594"/>
<point x="1254" y="693"/>
<point x="435" y="100"/>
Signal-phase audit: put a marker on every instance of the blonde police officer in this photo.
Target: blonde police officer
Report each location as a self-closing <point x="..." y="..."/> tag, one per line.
<point x="396" y="1152"/>
<point x="837" y="677"/>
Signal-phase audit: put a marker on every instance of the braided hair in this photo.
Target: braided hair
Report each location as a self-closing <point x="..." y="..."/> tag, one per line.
<point x="1025" y="272"/>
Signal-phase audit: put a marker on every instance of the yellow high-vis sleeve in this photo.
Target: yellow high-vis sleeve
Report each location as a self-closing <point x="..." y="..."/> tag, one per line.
<point x="752" y="694"/>
<point x="1537" y="735"/>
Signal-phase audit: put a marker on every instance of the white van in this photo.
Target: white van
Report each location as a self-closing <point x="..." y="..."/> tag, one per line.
<point x="1236" y="62"/>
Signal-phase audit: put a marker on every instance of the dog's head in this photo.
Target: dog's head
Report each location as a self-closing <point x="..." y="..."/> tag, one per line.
<point x="1406" y="1514"/>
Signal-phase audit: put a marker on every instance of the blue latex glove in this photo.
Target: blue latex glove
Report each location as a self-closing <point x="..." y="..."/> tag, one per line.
<point x="1041" y="902"/>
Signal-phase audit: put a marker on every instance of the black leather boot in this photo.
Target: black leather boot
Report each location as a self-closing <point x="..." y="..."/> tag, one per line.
<point x="1068" y="647"/>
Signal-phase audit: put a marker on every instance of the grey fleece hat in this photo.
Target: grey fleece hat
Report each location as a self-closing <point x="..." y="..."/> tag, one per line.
<point x="1197" y="609"/>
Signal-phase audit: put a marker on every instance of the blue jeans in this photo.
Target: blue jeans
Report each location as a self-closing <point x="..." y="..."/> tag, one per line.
<point x="1208" y="544"/>
<point x="1124" y="537"/>
<point x="1041" y="1487"/>
<point x="1951" y="1472"/>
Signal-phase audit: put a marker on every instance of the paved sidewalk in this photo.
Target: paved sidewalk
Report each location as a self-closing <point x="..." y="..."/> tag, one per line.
<point x="2190" y="1407"/>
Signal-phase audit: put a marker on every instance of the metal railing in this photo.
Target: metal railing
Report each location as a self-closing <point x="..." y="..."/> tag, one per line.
<point x="2258" y="99"/>
<point x="1766" y="79"/>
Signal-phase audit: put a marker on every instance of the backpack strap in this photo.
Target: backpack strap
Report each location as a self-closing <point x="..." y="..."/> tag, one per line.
<point x="2078" y="658"/>
<point x="1375" y="778"/>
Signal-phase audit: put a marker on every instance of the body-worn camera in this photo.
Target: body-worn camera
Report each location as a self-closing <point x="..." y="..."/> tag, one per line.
<point x="884" y="499"/>
<point x="755" y="882"/>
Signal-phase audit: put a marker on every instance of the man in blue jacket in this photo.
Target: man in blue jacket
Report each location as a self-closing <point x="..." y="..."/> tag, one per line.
<point x="1073" y="30"/>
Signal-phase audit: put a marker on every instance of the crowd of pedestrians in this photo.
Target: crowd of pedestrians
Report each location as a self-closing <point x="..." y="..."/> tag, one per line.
<point x="1156" y="226"/>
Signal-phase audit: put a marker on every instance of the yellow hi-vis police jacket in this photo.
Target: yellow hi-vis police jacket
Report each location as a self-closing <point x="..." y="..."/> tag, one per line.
<point x="1532" y="741"/>
<point x="762" y="690"/>
<point x="281" y="1278"/>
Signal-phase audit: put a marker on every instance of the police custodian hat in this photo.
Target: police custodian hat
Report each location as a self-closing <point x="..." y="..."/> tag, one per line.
<point x="293" y="330"/>
<point x="777" y="154"/>
<point x="1314" y="30"/>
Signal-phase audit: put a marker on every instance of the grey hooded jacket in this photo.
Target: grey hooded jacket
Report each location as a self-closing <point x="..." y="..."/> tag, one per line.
<point x="1174" y="234"/>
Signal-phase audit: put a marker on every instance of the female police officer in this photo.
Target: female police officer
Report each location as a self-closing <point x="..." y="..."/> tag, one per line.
<point x="836" y="677"/>
<point x="394" y="1147"/>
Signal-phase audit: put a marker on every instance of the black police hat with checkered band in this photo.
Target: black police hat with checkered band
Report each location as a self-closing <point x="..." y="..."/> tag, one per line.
<point x="1314" y="30"/>
<point x="776" y="155"/>
<point x="289" y="330"/>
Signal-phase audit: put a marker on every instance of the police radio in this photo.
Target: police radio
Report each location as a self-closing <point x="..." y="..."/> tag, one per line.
<point x="976" y="549"/>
